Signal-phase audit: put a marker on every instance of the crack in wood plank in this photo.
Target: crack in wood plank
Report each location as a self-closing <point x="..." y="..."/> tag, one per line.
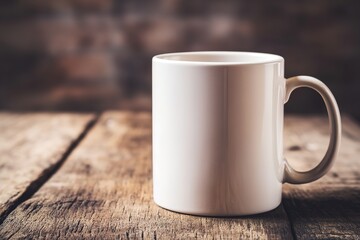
<point x="46" y="173"/>
<point x="292" y="227"/>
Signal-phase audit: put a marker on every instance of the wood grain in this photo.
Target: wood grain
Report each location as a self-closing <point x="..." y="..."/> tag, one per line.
<point x="104" y="191"/>
<point x="31" y="147"/>
<point x="330" y="207"/>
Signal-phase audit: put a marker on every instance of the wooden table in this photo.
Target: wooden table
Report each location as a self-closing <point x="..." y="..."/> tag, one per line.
<point x="72" y="176"/>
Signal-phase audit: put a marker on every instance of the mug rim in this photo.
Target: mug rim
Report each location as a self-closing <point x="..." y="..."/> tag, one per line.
<point x="173" y="58"/>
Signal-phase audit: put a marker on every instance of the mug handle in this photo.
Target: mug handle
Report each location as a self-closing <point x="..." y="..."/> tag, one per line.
<point x="296" y="177"/>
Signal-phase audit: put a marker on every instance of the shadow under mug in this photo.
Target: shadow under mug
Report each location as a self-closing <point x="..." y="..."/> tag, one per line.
<point x="218" y="132"/>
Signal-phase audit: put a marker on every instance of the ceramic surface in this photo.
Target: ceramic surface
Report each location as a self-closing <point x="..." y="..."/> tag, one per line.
<point x="218" y="132"/>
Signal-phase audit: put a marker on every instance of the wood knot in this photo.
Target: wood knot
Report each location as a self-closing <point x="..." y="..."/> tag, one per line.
<point x="294" y="148"/>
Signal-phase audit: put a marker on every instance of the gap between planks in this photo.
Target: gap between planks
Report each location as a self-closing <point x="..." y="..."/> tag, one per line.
<point x="291" y="224"/>
<point x="48" y="172"/>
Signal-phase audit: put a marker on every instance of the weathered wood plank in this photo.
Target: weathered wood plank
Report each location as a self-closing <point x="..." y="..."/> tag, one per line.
<point x="330" y="207"/>
<point x="104" y="190"/>
<point x="31" y="147"/>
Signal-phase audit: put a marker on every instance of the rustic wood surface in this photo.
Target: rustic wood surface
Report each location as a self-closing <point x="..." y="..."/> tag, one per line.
<point x="103" y="190"/>
<point x="32" y="146"/>
<point x="328" y="208"/>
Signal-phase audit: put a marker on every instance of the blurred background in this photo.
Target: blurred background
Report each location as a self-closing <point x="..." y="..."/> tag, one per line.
<point x="93" y="55"/>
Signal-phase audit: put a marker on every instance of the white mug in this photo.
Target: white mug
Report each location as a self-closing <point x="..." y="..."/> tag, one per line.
<point x="218" y="132"/>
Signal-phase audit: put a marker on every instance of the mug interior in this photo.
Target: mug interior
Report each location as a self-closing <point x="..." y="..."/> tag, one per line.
<point x="220" y="57"/>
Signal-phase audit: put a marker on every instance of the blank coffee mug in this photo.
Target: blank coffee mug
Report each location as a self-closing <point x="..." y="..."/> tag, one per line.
<point x="218" y="132"/>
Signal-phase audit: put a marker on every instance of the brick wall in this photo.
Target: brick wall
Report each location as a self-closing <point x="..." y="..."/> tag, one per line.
<point x="96" y="54"/>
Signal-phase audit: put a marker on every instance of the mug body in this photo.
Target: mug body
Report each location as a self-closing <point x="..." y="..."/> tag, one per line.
<point x="217" y="132"/>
